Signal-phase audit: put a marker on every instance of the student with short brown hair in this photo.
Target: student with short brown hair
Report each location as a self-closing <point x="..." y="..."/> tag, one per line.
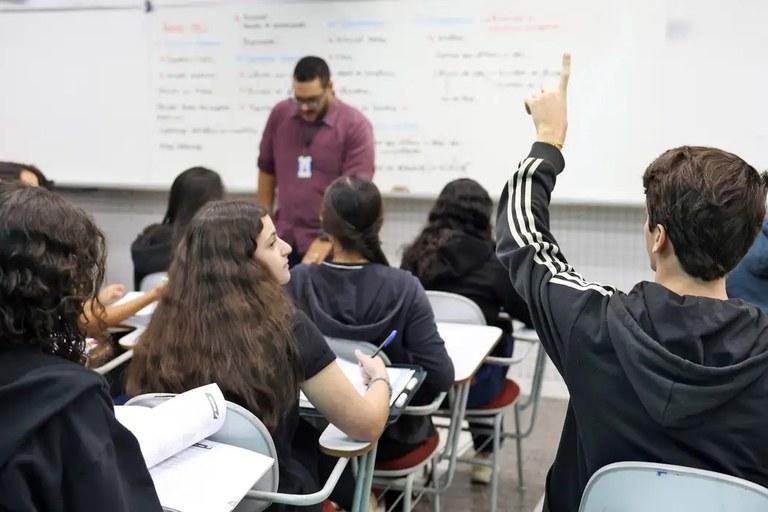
<point x="673" y="371"/>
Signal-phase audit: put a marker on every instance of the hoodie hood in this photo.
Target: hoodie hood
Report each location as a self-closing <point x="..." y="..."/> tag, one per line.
<point x="686" y="356"/>
<point x="357" y="302"/>
<point x="459" y="256"/>
<point x="33" y="388"/>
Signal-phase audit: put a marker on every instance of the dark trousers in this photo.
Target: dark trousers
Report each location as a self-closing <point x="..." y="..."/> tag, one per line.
<point x="488" y="383"/>
<point x="481" y="393"/>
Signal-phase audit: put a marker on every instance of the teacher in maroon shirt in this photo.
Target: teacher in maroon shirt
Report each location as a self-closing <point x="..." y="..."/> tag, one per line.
<point x="310" y="139"/>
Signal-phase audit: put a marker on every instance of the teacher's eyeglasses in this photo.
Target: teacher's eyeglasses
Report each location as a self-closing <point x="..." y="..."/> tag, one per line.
<point x="312" y="102"/>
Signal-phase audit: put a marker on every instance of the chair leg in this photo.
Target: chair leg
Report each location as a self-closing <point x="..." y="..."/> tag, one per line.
<point x="436" y="495"/>
<point x="408" y="492"/>
<point x="495" y="461"/>
<point x="519" y="446"/>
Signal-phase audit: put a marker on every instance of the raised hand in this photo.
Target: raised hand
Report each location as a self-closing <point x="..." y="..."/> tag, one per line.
<point x="549" y="109"/>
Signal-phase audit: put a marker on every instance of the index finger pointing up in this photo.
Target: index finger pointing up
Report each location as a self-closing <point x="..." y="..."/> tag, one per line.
<point x="565" y="72"/>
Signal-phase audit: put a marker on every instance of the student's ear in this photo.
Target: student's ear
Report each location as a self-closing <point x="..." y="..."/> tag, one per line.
<point x="330" y="88"/>
<point x="660" y="239"/>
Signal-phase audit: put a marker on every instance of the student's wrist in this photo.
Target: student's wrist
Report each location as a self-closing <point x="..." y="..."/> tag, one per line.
<point x="552" y="137"/>
<point x="385" y="380"/>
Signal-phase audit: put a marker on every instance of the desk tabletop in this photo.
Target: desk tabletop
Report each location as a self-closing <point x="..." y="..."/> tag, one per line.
<point x="143" y="316"/>
<point x="526" y="334"/>
<point x="129" y="340"/>
<point x="467" y="346"/>
<point x="336" y="443"/>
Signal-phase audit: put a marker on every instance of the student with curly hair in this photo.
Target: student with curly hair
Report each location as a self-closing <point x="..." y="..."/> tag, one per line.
<point x="456" y="253"/>
<point x="61" y="448"/>
<point x="225" y="318"/>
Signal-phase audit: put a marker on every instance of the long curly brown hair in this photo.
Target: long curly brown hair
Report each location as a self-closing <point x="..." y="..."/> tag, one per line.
<point x="223" y="318"/>
<point x="51" y="263"/>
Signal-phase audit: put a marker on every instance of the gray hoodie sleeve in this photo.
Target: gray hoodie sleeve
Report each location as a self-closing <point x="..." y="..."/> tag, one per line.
<point x="565" y="308"/>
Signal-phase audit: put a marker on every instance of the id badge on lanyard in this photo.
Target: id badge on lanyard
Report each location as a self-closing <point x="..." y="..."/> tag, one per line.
<point x="304" y="170"/>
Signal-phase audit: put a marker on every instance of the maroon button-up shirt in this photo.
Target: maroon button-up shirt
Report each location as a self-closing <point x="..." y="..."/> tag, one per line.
<point x="342" y="145"/>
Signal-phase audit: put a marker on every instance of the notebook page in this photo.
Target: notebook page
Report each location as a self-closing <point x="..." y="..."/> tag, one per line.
<point x="208" y="477"/>
<point x="398" y="379"/>
<point x="175" y="424"/>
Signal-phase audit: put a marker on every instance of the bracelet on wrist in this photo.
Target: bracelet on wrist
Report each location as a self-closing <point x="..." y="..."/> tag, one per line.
<point x="385" y="381"/>
<point x="558" y="145"/>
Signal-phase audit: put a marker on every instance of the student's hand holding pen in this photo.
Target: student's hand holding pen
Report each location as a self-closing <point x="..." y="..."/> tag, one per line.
<point x="371" y="367"/>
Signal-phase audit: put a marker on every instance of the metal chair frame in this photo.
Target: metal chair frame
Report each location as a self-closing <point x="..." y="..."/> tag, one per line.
<point x="451" y="307"/>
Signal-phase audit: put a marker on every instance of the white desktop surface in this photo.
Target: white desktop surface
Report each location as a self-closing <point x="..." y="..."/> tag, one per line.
<point x="467" y="346"/>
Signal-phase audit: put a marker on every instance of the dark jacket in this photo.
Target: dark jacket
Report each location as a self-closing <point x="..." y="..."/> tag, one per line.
<point x="366" y="302"/>
<point x="61" y="448"/>
<point x="653" y="376"/>
<point x="468" y="266"/>
<point x="749" y="280"/>
<point x="152" y="251"/>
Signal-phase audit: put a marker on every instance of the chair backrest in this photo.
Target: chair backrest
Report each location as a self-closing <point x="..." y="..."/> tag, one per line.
<point x="643" y="486"/>
<point x="150" y="281"/>
<point x="345" y="349"/>
<point x="242" y="429"/>
<point x="452" y="307"/>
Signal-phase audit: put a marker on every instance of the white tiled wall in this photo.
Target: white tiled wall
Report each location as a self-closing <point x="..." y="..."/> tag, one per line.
<point x="604" y="243"/>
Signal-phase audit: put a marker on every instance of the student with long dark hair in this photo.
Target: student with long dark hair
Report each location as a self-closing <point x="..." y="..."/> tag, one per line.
<point x="455" y="252"/>
<point x="356" y="295"/>
<point x="152" y="251"/>
<point x="61" y="448"/>
<point x="225" y="318"/>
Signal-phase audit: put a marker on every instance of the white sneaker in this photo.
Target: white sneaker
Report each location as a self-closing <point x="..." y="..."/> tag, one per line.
<point x="374" y="505"/>
<point x="481" y="474"/>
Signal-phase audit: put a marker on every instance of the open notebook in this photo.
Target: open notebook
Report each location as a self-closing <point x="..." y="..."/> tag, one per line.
<point x="399" y="378"/>
<point x="190" y="472"/>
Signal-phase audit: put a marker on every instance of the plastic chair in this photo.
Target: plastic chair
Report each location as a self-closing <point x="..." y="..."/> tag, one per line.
<point x="643" y="486"/>
<point x="150" y="281"/>
<point x="241" y="428"/>
<point x="451" y="307"/>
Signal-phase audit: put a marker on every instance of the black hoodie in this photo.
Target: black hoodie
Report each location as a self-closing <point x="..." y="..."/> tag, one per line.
<point x="61" y="448"/>
<point x="467" y="265"/>
<point x="366" y="302"/>
<point x="152" y="251"/>
<point x="653" y="376"/>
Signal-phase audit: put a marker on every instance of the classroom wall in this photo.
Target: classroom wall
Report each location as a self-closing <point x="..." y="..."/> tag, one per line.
<point x="604" y="243"/>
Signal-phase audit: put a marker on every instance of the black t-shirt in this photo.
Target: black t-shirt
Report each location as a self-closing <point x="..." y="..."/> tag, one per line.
<point x="297" y="460"/>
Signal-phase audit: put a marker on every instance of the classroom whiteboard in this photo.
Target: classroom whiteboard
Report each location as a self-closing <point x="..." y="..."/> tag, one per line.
<point x="130" y="98"/>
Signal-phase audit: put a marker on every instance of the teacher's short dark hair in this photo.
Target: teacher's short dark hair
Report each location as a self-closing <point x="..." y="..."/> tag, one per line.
<point x="712" y="204"/>
<point x="311" y="67"/>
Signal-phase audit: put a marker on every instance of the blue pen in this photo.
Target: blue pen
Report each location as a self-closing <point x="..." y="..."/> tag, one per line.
<point x="386" y="342"/>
